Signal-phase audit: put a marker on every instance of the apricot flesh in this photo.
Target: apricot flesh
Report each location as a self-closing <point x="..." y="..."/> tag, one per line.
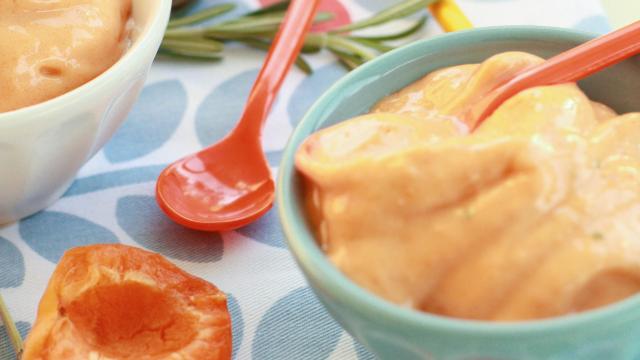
<point x="121" y="302"/>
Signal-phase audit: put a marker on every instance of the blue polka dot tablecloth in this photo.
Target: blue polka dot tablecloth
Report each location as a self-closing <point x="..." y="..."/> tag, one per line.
<point x="188" y="105"/>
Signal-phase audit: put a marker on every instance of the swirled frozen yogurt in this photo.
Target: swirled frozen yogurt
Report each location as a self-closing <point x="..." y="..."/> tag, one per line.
<point x="534" y="214"/>
<point x="50" y="47"/>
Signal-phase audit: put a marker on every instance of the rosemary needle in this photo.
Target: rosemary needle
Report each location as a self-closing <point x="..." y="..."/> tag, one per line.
<point x="201" y="16"/>
<point x="401" y="10"/>
<point x="12" y="330"/>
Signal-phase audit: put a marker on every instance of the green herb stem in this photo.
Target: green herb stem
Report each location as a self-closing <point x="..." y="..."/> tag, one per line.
<point x="394" y="12"/>
<point x="266" y="25"/>
<point x="301" y="63"/>
<point x="270" y="22"/>
<point x="347" y="46"/>
<point x="185" y="33"/>
<point x="258" y="29"/>
<point x="279" y="6"/>
<point x="190" y="54"/>
<point x="12" y="330"/>
<point x="399" y="35"/>
<point x="201" y="16"/>
<point x="198" y="44"/>
<point x="371" y="44"/>
<point x="316" y="40"/>
<point x="349" y="60"/>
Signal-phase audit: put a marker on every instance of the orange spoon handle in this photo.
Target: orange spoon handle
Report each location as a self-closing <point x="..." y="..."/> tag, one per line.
<point x="569" y="66"/>
<point x="282" y="54"/>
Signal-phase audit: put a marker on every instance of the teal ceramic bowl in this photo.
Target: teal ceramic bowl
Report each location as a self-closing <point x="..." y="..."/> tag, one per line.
<point x="396" y="333"/>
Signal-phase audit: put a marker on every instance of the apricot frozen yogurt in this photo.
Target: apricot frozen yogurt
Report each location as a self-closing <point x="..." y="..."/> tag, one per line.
<point x="534" y="214"/>
<point x="50" y="47"/>
<point x="118" y="302"/>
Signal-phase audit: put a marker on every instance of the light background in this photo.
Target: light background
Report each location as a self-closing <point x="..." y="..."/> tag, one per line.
<point x="622" y="12"/>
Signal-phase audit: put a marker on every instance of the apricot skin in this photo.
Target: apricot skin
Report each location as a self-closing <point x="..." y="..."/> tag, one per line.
<point x="120" y="302"/>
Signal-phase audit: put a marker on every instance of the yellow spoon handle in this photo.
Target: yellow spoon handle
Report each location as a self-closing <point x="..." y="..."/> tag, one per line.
<point x="449" y="16"/>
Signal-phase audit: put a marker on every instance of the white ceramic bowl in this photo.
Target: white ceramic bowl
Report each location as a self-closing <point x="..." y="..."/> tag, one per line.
<point x="43" y="146"/>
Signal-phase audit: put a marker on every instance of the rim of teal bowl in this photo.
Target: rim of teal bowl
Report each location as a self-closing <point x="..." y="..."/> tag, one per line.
<point x="311" y="258"/>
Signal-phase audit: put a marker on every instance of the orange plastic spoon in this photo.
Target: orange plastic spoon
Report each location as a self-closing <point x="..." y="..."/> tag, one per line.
<point x="229" y="184"/>
<point x="569" y="66"/>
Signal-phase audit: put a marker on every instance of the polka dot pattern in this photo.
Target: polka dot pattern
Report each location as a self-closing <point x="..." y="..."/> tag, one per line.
<point x="12" y="265"/>
<point x="51" y="233"/>
<point x="144" y="222"/>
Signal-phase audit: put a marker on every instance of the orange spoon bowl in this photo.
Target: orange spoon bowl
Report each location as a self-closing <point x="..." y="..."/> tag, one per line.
<point x="220" y="188"/>
<point x="229" y="184"/>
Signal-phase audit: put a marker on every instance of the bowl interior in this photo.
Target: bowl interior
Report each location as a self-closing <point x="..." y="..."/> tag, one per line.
<point x="359" y="90"/>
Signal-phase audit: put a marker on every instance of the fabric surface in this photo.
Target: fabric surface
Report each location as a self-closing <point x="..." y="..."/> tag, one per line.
<point x="187" y="105"/>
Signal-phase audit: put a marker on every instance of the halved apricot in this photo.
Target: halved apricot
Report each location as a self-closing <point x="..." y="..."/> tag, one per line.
<point x="121" y="302"/>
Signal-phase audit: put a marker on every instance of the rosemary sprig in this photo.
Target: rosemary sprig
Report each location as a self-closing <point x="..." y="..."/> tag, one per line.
<point x="403" y="9"/>
<point x="204" y="45"/>
<point x="399" y="35"/>
<point x="301" y="63"/>
<point x="12" y="330"/>
<point x="187" y="37"/>
<point x="201" y="16"/>
<point x="279" y="6"/>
